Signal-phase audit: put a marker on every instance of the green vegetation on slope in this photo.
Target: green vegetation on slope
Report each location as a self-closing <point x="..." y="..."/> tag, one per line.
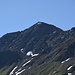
<point x="53" y="67"/>
<point x="5" y="71"/>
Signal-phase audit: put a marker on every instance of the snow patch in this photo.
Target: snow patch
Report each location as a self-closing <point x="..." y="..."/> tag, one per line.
<point x="69" y="73"/>
<point x="18" y="73"/>
<point x="39" y="23"/>
<point x="19" y="69"/>
<point x="26" y="63"/>
<point x="22" y="50"/>
<point x="30" y="53"/>
<point x="35" y="55"/>
<point x="65" y="60"/>
<point x="69" y="68"/>
<point x="13" y="71"/>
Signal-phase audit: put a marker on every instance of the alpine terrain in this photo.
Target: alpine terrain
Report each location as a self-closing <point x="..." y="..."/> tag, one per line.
<point x="42" y="49"/>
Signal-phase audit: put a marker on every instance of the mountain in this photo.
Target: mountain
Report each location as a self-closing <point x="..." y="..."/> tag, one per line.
<point x="42" y="49"/>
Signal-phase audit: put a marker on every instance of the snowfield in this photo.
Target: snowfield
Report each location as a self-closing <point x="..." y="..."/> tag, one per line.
<point x="11" y="73"/>
<point x="65" y="60"/>
<point x="30" y="53"/>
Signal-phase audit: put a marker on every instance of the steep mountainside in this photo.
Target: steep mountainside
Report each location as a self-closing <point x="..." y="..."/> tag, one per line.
<point x="42" y="49"/>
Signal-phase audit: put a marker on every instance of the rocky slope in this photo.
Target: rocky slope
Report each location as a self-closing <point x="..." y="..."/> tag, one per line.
<point x="42" y="49"/>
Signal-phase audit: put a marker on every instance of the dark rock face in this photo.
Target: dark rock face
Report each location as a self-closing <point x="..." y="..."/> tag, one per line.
<point x="7" y="39"/>
<point x="8" y="57"/>
<point x="52" y="43"/>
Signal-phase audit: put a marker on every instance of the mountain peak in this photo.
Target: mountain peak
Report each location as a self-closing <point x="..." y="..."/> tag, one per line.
<point x="39" y="22"/>
<point x="42" y="49"/>
<point x="42" y="23"/>
<point x="73" y="28"/>
<point x="45" y="26"/>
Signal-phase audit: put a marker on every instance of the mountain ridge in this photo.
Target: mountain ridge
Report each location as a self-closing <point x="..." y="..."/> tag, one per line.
<point x="50" y="50"/>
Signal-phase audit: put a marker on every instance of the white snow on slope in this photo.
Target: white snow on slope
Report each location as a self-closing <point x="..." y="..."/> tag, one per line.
<point x="26" y="63"/>
<point x="69" y="68"/>
<point x="22" y="50"/>
<point x="35" y="55"/>
<point x="69" y="73"/>
<point x="18" y="73"/>
<point x="19" y="69"/>
<point x="13" y="71"/>
<point x="30" y="53"/>
<point x="39" y="23"/>
<point x="65" y="60"/>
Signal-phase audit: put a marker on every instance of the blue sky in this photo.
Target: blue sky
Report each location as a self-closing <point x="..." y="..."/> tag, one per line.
<point x="16" y="15"/>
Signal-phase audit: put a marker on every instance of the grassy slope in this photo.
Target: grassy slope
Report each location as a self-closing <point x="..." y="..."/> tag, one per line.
<point x="45" y="70"/>
<point x="51" y="68"/>
<point x="4" y="72"/>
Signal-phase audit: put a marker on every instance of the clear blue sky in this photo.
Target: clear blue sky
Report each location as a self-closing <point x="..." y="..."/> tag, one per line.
<point x="18" y="15"/>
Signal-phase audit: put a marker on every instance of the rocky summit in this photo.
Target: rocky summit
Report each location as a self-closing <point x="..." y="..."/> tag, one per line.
<point x="42" y="49"/>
